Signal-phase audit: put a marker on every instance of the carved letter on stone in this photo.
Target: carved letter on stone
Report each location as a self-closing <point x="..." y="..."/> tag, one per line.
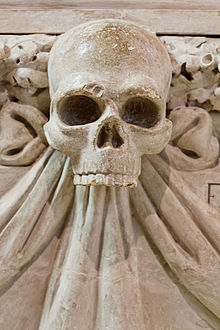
<point x="109" y="201"/>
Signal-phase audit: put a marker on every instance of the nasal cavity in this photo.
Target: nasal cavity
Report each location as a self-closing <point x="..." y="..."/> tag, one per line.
<point x="109" y="136"/>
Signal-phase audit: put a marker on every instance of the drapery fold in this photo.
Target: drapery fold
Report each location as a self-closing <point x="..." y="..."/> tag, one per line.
<point x="98" y="275"/>
<point x="32" y="212"/>
<point x="183" y="235"/>
<point x="95" y="272"/>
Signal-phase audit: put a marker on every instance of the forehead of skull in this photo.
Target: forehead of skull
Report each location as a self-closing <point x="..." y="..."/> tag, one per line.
<point x="115" y="49"/>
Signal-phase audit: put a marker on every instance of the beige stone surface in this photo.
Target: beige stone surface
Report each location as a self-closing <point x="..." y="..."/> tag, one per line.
<point x="157" y="4"/>
<point x="163" y="21"/>
<point x="106" y="257"/>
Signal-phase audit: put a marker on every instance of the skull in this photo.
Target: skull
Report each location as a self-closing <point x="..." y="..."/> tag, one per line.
<point x="109" y="81"/>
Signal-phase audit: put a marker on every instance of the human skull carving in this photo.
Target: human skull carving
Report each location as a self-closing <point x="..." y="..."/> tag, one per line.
<point x="109" y="81"/>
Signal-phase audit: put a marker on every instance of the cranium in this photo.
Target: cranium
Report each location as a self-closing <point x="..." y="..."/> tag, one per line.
<point x="109" y="81"/>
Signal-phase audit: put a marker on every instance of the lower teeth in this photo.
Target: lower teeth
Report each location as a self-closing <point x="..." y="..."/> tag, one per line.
<point x="107" y="180"/>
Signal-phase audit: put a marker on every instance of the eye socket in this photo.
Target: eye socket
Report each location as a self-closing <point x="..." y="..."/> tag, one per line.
<point x="141" y="111"/>
<point x="78" y="110"/>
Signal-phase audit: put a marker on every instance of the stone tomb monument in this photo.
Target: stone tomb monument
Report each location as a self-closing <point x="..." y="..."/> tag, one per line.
<point x="110" y="200"/>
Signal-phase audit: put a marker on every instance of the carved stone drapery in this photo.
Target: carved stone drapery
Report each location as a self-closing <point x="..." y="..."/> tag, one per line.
<point x="104" y="257"/>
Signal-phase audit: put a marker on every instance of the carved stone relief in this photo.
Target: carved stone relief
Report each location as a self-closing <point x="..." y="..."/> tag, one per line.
<point x="110" y="201"/>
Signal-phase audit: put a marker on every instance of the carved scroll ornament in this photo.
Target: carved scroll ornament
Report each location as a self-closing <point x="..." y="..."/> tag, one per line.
<point x="82" y="249"/>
